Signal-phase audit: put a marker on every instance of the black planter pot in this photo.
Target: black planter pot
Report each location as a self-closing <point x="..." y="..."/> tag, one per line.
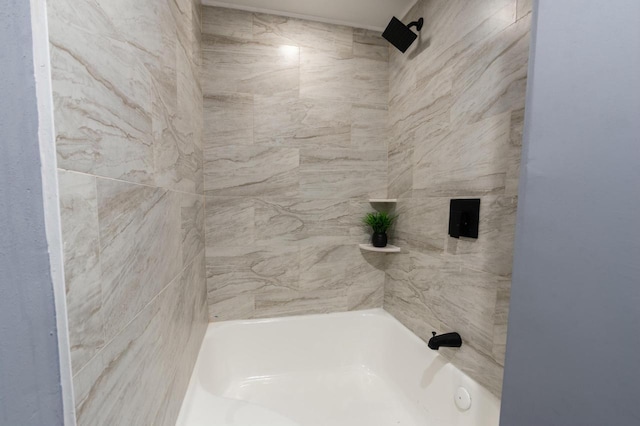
<point x="379" y="239"/>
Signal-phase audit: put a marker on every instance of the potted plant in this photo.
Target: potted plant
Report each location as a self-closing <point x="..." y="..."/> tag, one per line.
<point x="379" y="222"/>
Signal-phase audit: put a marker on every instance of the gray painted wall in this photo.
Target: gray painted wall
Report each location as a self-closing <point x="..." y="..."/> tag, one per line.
<point x="30" y="391"/>
<point x="573" y="348"/>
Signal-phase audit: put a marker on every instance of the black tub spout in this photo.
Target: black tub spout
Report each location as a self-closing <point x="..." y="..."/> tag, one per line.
<point x="447" y="340"/>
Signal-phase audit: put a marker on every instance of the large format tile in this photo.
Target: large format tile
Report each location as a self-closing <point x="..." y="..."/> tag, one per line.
<point x="308" y="221"/>
<point x="343" y="173"/>
<point x="402" y="79"/>
<point x="435" y="293"/>
<point x="233" y="24"/>
<point x="369" y="296"/>
<point x="456" y="102"/>
<point x="370" y="45"/>
<point x="299" y="302"/>
<point x="296" y="118"/>
<point x="103" y="109"/>
<point x="370" y="81"/>
<point x="326" y="75"/>
<point x="404" y="297"/>
<point x="185" y="331"/>
<point x="369" y="126"/>
<point x="469" y="160"/>
<point x="493" y="78"/>
<point x="228" y="119"/>
<point x="303" y="123"/>
<point x="193" y="226"/>
<point x="242" y="221"/>
<point x="251" y="171"/>
<point x="450" y="48"/>
<point x="229" y="270"/>
<point x="500" y="318"/>
<point x="250" y="68"/>
<point x="447" y="22"/>
<point x="422" y="223"/>
<point x="196" y="31"/>
<point x="231" y="308"/>
<point x="230" y="221"/>
<point x="177" y="132"/>
<point x="188" y="27"/>
<point x="129" y="121"/>
<point x="160" y="343"/>
<point x="400" y="170"/>
<point x="425" y="114"/>
<point x="524" y="8"/>
<point x="338" y="266"/>
<point x="150" y="30"/>
<point x="462" y="299"/>
<point x="140" y="247"/>
<point x="280" y="30"/>
<point x="237" y="275"/>
<point x="515" y="153"/>
<point x="79" y="217"/>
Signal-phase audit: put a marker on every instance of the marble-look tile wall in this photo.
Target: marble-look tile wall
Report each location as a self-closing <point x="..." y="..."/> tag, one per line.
<point x="128" y="116"/>
<point x="456" y="108"/>
<point x="294" y="145"/>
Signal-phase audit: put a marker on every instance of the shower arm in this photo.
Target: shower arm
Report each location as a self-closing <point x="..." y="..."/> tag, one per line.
<point x="418" y="24"/>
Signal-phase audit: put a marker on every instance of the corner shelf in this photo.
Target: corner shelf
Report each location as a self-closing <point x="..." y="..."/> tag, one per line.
<point x="388" y="249"/>
<point x="383" y="200"/>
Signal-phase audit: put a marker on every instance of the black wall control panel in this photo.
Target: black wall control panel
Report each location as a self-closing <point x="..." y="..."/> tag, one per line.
<point x="464" y="217"/>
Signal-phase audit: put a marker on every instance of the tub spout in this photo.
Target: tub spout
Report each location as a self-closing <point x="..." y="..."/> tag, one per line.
<point x="447" y="340"/>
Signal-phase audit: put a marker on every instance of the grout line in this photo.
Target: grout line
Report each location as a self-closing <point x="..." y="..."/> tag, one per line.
<point x="173" y="281"/>
<point x="129" y="182"/>
<point x="102" y="316"/>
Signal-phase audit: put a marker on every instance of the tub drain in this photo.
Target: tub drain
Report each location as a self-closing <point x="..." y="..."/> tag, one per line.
<point x="462" y="399"/>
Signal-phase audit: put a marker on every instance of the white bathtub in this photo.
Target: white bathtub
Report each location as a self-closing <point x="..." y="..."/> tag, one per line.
<point x="346" y="369"/>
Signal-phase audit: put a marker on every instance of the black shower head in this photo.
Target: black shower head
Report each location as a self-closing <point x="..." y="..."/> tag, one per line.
<point x="400" y="35"/>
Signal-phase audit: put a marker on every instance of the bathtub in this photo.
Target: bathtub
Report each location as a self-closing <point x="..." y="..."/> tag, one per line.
<point x="347" y="369"/>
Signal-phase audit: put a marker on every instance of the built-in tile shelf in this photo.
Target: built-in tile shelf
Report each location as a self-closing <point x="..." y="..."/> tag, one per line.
<point x="388" y="249"/>
<point x="383" y="200"/>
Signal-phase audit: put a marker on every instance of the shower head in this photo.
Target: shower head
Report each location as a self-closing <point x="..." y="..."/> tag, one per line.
<point x="400" y="35"/>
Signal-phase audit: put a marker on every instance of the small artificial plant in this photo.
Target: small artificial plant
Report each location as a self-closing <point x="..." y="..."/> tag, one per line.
<point x="380" y="222"/>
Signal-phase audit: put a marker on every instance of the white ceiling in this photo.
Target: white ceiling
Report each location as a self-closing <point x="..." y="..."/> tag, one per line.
<point x="370" y="14"/>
